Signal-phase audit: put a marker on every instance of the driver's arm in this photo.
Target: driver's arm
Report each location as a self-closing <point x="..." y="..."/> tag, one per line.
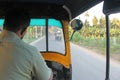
<point x="51" y="76"/>
<point x="41" y="70"/>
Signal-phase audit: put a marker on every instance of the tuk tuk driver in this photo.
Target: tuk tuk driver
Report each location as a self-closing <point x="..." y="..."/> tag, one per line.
<point x="19" y="60"/>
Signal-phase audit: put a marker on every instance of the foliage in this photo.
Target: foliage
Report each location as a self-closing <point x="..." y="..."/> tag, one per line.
<point x="94" y="37"/>
<point x="115" y="23"/>
<point x="33" y="33"/>
<point x="96" y="32"/>
<point x="86" y="23"/>
<point x="87" y="14"/>
<point x="102" y="22"/>
<point x="95" y="21"/>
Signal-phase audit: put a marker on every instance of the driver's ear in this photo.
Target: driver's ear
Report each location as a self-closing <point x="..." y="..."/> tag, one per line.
<point x="19" y="33"/>
<point x="23" y="32"/>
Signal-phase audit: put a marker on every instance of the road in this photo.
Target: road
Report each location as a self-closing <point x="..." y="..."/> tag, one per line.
<point x="86" y="64"/>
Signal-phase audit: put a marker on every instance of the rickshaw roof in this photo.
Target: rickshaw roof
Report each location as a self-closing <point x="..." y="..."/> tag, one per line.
<point x="49" y="8"/>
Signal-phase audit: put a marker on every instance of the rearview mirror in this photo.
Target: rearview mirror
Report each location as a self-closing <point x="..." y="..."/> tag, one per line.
<point x="76" y="25"/>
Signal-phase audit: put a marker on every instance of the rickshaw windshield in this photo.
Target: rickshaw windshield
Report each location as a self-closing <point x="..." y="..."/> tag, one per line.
<point x="37" y="35"/>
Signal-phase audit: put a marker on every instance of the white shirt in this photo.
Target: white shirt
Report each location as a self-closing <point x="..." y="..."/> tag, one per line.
<point x="19" y="60"/>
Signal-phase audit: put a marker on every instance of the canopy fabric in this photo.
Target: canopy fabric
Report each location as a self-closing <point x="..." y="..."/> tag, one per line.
<point x="37" y="22"/>
<point x="40" y="22"/>
<point x="38" y="8"/>
<point x="1" y="22"/>
<point x="54" y="22"/>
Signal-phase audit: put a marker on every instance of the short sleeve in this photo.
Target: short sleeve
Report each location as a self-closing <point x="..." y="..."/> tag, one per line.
<point x="41" y="70"/>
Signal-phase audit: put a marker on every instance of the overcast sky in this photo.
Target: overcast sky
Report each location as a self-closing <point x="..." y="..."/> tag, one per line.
<point x="96" y="11"/>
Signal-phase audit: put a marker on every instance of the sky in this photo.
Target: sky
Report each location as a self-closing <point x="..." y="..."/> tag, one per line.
<point x="96" y="11"/>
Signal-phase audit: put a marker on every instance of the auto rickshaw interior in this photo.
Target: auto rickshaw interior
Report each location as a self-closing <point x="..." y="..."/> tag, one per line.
<point x="49" y="23"/>
<point x="48" y="12"/>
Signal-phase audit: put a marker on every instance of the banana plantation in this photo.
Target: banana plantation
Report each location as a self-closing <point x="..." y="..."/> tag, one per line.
<point x="94" y="37"/>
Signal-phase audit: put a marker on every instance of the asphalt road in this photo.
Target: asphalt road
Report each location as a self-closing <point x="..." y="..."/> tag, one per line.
<point x="86" y="64"/>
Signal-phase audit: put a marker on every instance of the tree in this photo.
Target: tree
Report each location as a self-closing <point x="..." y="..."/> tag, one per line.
<point x="86" y="20"/>
<point x="95" y="21"/>
<point x="87" y="14"/>
<point x="86" y="23"/>
<point x="102" y="22"/>
<point x="115" y="23"/>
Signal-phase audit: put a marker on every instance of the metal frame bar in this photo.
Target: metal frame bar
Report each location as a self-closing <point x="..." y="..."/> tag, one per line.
<point x="107" y="48"/>
<point x="47" y="34"/>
